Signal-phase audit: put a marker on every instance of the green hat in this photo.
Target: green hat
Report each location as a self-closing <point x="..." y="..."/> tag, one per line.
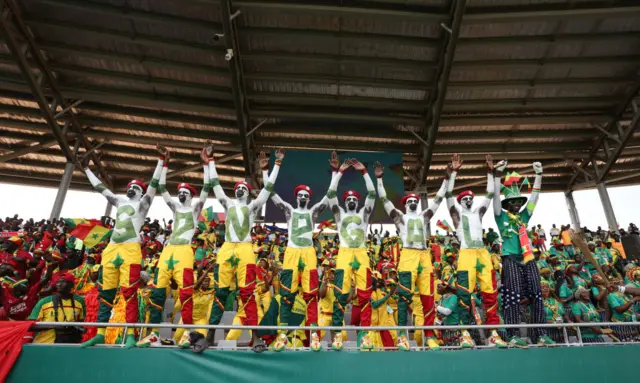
<point x="512" y="193"/>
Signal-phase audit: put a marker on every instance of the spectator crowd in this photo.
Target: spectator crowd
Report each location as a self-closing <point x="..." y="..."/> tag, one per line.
<point x="47" y="274"/>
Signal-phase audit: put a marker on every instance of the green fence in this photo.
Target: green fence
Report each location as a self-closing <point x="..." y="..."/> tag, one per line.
<point x="113" y="365"/>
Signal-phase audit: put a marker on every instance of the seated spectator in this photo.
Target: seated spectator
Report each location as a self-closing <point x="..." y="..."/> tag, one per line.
<point x="622" y="311"/>
<point x="583" y="311"/>
<point x="61" y="307"/>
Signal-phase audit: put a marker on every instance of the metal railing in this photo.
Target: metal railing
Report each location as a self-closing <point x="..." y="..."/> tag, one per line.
<point x="576" y="327"/>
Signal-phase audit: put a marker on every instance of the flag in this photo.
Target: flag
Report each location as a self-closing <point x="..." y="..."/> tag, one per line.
<point x="73" y="222"/>
<point x="526" y="182"/>
<point x="511" y="178"/>
<point x="444" y="225"/>
<point x="276" y="229"/>
<point x="91" y="235"/>
<point x="329" y="224"/>
<point x="208" y="215"/>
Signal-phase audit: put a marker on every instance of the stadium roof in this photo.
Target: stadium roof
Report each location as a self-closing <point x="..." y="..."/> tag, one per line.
<point x="549" y="80"/>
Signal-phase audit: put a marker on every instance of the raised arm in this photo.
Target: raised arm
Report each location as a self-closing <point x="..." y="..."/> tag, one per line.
<point x="318" y="208"/>
<point x="145" y="202"/>
<point x="266" y="191"/>
<point x="332" y="193"/>
<point x="535" y="192"/>
<point x="163" y="188"/>
<point x="395" y="214"/>
<point x="204" y="193"/>
<point x="218" y="191"/>
<point x="99" y="186"/>
<point x="452" y="172"/>
<point x="370" y="201"/>
<point x="497" y="206"/>
<point x="430" y="211"/>
<point x="486" y="201"/>
<point x="279" y="202"/>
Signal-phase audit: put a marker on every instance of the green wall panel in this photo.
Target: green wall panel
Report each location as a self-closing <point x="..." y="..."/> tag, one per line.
<point x="107" y="365"/>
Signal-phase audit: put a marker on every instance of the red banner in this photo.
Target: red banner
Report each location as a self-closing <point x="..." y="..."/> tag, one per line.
<point x="8" y="234"/>
<point x="11" y="334"/>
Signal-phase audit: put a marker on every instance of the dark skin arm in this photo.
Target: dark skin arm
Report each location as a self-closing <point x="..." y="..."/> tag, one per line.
<point x="203" y="276"/>
<point x="622" y="308"/>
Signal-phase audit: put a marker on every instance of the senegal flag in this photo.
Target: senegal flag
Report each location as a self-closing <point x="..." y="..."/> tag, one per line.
<point x="207" y="215"/>
<point x="444" y="225"/>
<point x="73" y="222"/>
<point x="91" y="235"/>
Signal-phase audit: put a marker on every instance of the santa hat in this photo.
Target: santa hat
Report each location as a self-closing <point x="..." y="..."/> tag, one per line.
<point x="410" y="195"/>
<point x="185" y="185"/>
<point x="242" y="183"/>
<point x="141" y="184"/>
<point x="350" y="193"/>
<point x="464" y="194"/>
<point x="302" y="187"/>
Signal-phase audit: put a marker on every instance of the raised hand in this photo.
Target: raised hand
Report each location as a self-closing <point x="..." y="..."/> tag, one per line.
<point x="263" y="161"/>
<point x="537" y="167"/>
<point x="489" y="159"/>
<point x="345" y="165"/>
<point x="279" y="154"/>
<point x="334" y="161"/>
<point x="204" y="155"/>
<point x="448" y="170"/>
<point x="357" y="165"/>
<point x="379" y="172"/>
<point x="456" y="162"/>
<point x="501" y="166"/>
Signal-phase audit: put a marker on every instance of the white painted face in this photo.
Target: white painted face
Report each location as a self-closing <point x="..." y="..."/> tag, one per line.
<point x="242" y="193"/>
<point x="303" y="198"/>
<point x="466" y="201"/>
<point x="184" y="196"/>
<point x="351" y="203"/>
<point x="411" y="205"/>
<point x="134" y="193"/>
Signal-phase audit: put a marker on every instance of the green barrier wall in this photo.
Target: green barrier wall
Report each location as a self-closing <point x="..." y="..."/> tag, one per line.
<point x="104" y="365"/>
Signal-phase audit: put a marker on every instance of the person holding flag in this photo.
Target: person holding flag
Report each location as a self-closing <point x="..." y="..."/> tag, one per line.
<point x="474" y="261"/>
<point x="177" y="258"/>
<point x="520" y="277"/>
<point x="300" y="255"/>
<point x="415" y="268"/>
<point x="122" y="258"/>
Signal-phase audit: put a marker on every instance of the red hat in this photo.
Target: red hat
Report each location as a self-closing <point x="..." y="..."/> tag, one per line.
<point x="242" y="183"/>
<point x="350" y="193"/>
<point x="302" y="187"/>
<point x="139" y="183"/>
<point x="68" y="277"/>
<point x="410" y="195"/>
<point x="464" y="194"/>
<point x="185" y="185"/>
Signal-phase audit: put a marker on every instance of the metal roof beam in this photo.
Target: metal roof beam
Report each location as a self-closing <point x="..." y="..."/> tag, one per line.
<point x="7" y="20"/>
<point x="436" y="100"/>
<point x="12" y="14"/>
<point x="607" y="148"/>
<point x="28" y="150"/>
<point x="233" y="58"/>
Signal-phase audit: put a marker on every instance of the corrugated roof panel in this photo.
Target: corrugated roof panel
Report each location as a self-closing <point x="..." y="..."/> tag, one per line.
<point x="480" y="93"/>
<point x="158" y="122"/>
<point x="576" y="90"/>
<point x="205" y="10"/>
<point x="388" y="50"/>
<point x="497" y="52"/>
<point x="525" y="28"/>
<point x="490" y="74"/>
<point x="619" y="24"/>
<point x="630" y="46"/>
<point x="591" y="71"/>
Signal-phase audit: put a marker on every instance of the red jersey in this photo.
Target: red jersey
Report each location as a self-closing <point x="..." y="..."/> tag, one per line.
<point x="20" y="308"/>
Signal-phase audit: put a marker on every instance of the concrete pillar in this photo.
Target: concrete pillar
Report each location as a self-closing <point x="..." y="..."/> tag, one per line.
<point x="573" y="212"/>
<point x="62" y="190"/>
<point x="608" y="208"/>
<point x="107" y="211"/>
